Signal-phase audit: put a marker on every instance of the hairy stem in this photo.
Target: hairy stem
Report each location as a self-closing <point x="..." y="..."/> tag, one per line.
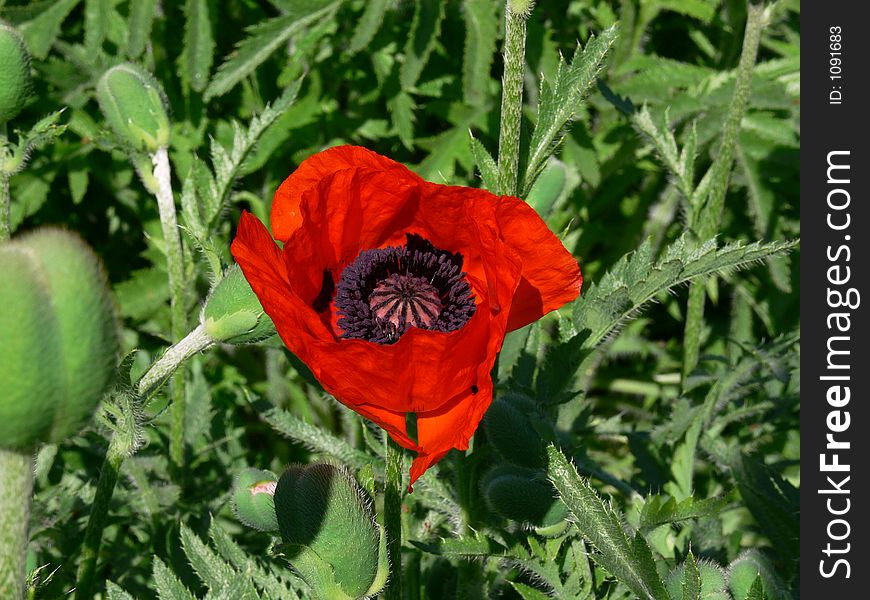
<point x="393" y="517"/>
<point x="159" y="372"/>
<point x="512" y="96"/>
<point x="120" y="447"/>
<point x="175" y="262"/>
<point x="5" y="198"/>
<point x="16" y="488"/>
<point x="97" y="521"/>
<point x="708" y="218"/>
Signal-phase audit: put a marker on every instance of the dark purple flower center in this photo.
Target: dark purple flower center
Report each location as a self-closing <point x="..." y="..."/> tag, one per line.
<point x="384" y="292"/>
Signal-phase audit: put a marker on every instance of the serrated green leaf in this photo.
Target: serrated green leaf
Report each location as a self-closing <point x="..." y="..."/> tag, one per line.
<point x="635" y="280"/>
<point x="314" y="438"/>
<point x="425" y="29"/>
<point x="560" y="100"/>
<point x="691" y="579"/>
<point x="369" y="24"/>
<point x="113" y="592"/>
<point x="213" y="570"/>
<point x="139" y="23"/>
<point x="659" y="510"/>
<point x="529" y="593"/>
<point x="481" y="35"/>
<point x="600" y="525"/>
<point x="263" y="40"/>
<point x="40" y="32"/>
<point x="485" y="164"/>
<point x="167" y="584"/>
<point x="197" y="54"/>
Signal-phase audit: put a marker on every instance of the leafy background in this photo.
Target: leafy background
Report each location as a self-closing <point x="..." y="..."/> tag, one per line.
<point x="699" y="474"/>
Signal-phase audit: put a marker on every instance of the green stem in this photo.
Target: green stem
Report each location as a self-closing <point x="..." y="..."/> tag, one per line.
<point x="16" y="489"/>
<point x="516" y="12"/>
<point x="5" y="197"/>
<point x="120" y="447"/>
<point x="175" y="263"/>
<point x="97" y="520"/>
<point x="707" y="219"/>
<point x="393" y="518"/>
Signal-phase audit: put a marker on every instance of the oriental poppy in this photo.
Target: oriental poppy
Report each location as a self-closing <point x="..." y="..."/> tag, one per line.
<point x="397" y="293"/>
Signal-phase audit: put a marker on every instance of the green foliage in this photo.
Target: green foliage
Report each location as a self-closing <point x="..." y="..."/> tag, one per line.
<point x="685" y="484"/>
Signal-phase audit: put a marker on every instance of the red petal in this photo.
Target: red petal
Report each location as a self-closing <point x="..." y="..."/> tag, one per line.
<point x="286" y="216"/>
<point x="551" y="276"/>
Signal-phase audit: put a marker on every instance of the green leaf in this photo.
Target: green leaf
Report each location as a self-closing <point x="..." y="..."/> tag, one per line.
<point x="40" y="32"/>
<point x="481" y="35"/>
<point x="262" y="41"/>
<point x="560" y="101"/>
<point x="228" y="163"/>
<point x="528" y="592"/>
<point x="660" y="510"/>
<point x="756" y="592"/>
<point x="139" y="24"/>
<point x="197" y="54"/>
<point x="704" y="10"/>
<point x="601" y="526"/>
<point x="167" y="584"/>
<point x="369" y="24"/>
<point x="635" y="279"/>
<point x="691" y="579"/>
<point x="467" y="546"/>
<point x="680" y="162"/>
<point x="213" y="571"/>
<point x="113" y="592"/>
<point x="485" y="164"/>
<point x="314" y="438"/>
<point x="96" y="24"/>
<point x="425" y="29"/>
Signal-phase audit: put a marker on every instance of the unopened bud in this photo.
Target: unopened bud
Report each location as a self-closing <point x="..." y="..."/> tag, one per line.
<point x="15" y="84"/>
<point x="523" y="495"/>
<point x="233" y="314"/>
<point x="135" y="106"/>
<point x="518" y="431"/>
<point x="329" y="530"/>
<point x="254" y="499"/>
<point x="59" y="335"/>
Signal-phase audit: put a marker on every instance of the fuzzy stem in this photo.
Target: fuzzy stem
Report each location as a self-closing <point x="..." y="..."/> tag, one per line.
<point x="175" y="263"/>
<point x="5" y="197"/>
<point x="708" y="218"/>
<point x="97" y="521"/>
<point x="16" y="489"/>
<point x="159" y="372"/>
<point x="393" y="518"/>
<point x="512" y="96"/>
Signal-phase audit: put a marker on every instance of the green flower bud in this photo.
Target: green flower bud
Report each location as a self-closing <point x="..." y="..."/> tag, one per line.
<point x="59" y="335"/>
<point x="523" y="495"/>
<point x="329" y="530"/>
<point x="232" y="312"/>
<point x="254" y="499"/>
<point x="135" y="106"/>
<point x="15" y="84"/>
<point x="748" y="567"/>
<point x="713" y="586"/>
<point x="518" y="431"/>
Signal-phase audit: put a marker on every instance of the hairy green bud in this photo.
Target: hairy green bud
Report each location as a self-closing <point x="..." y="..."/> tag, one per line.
<point x="59" y="335"/>
<point x="750" y="566"/>
<point x="713" y="586"/>
<point x="518" y="431"/>
<point x="523" y="495"/>
<point x="135" y="106"/>
<point x="254" y="499"/>
<point x="329" y="530"/>
<point x="233" y="314"/>
<point x="15" y="83"/>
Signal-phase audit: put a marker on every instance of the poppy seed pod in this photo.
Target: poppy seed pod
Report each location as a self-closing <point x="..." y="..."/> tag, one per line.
<point x="232" y="313"/>
<point x="15" y="84"/>
<point x="135" y="106"/>
<point x="523" y="495"/>
<point x="329" y="530"/>
<point x="516" y="428"/>
<point x="254" y="499"/>
<point x="59" y="337"/>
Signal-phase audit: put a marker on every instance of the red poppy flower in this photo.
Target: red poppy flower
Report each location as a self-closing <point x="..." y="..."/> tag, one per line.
<point x="397" y="293"/>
